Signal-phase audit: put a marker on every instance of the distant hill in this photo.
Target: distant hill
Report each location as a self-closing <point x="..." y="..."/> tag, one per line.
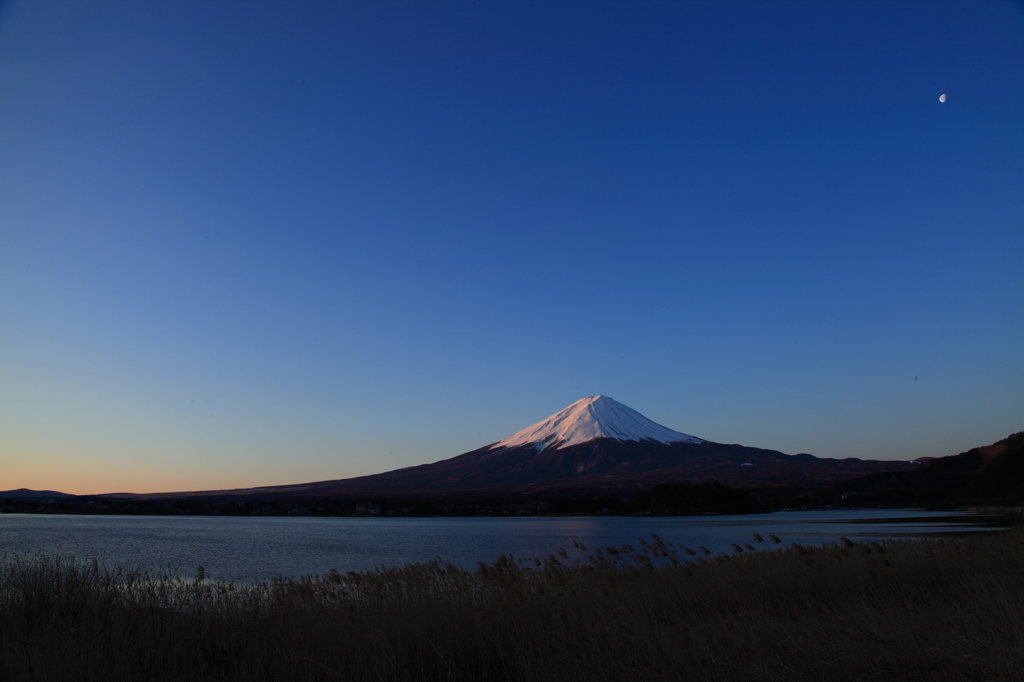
<point x="26" y="494"/>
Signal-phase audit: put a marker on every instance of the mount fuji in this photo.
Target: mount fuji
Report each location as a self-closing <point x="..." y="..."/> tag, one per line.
<point x="595" y="446"/>
<point x="589" y="419"/>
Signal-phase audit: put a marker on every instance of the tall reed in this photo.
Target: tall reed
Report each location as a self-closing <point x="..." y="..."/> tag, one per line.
<point x="936" y="609"/>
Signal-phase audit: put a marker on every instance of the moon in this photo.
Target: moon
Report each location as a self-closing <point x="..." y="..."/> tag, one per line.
<point x="942" y="97"/>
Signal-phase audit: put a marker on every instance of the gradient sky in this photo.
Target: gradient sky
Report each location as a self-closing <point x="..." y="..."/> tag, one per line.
<point x="252" y="243"/>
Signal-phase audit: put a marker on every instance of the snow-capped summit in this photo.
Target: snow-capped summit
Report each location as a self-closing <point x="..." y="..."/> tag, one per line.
<point x="588" y="418"/>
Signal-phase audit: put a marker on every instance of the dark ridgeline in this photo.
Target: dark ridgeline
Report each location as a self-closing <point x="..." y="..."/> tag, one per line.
<point x="990" y="476"/>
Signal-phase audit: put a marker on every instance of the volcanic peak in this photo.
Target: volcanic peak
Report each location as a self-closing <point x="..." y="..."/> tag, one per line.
<point x="589" y="418"/>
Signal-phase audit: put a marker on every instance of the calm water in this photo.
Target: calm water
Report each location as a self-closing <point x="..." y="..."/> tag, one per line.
<point x="247" y="548"/>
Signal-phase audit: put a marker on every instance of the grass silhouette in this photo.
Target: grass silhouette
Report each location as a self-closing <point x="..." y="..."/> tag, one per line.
<point x="934" y="609"/>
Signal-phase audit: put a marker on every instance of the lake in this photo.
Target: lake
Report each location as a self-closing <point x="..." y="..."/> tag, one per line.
<point x="248" y="548"/>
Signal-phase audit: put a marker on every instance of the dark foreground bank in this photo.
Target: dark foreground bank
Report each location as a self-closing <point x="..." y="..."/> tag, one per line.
<point x="941" y="609"/>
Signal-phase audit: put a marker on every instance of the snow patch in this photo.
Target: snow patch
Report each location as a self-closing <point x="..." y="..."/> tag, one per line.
<point x="589" y="418"/>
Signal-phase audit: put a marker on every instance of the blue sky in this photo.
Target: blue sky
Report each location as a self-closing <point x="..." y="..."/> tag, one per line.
<point x="260" y="243"/>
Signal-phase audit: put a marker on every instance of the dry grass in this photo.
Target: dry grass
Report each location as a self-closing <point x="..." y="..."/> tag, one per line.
<point x="950" y="609"/>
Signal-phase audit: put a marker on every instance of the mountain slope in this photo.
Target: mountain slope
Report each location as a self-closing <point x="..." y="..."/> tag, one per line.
<point x="990" y="475"/>
<point x="601" y="466"/>
<point x="999" y="480"/>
